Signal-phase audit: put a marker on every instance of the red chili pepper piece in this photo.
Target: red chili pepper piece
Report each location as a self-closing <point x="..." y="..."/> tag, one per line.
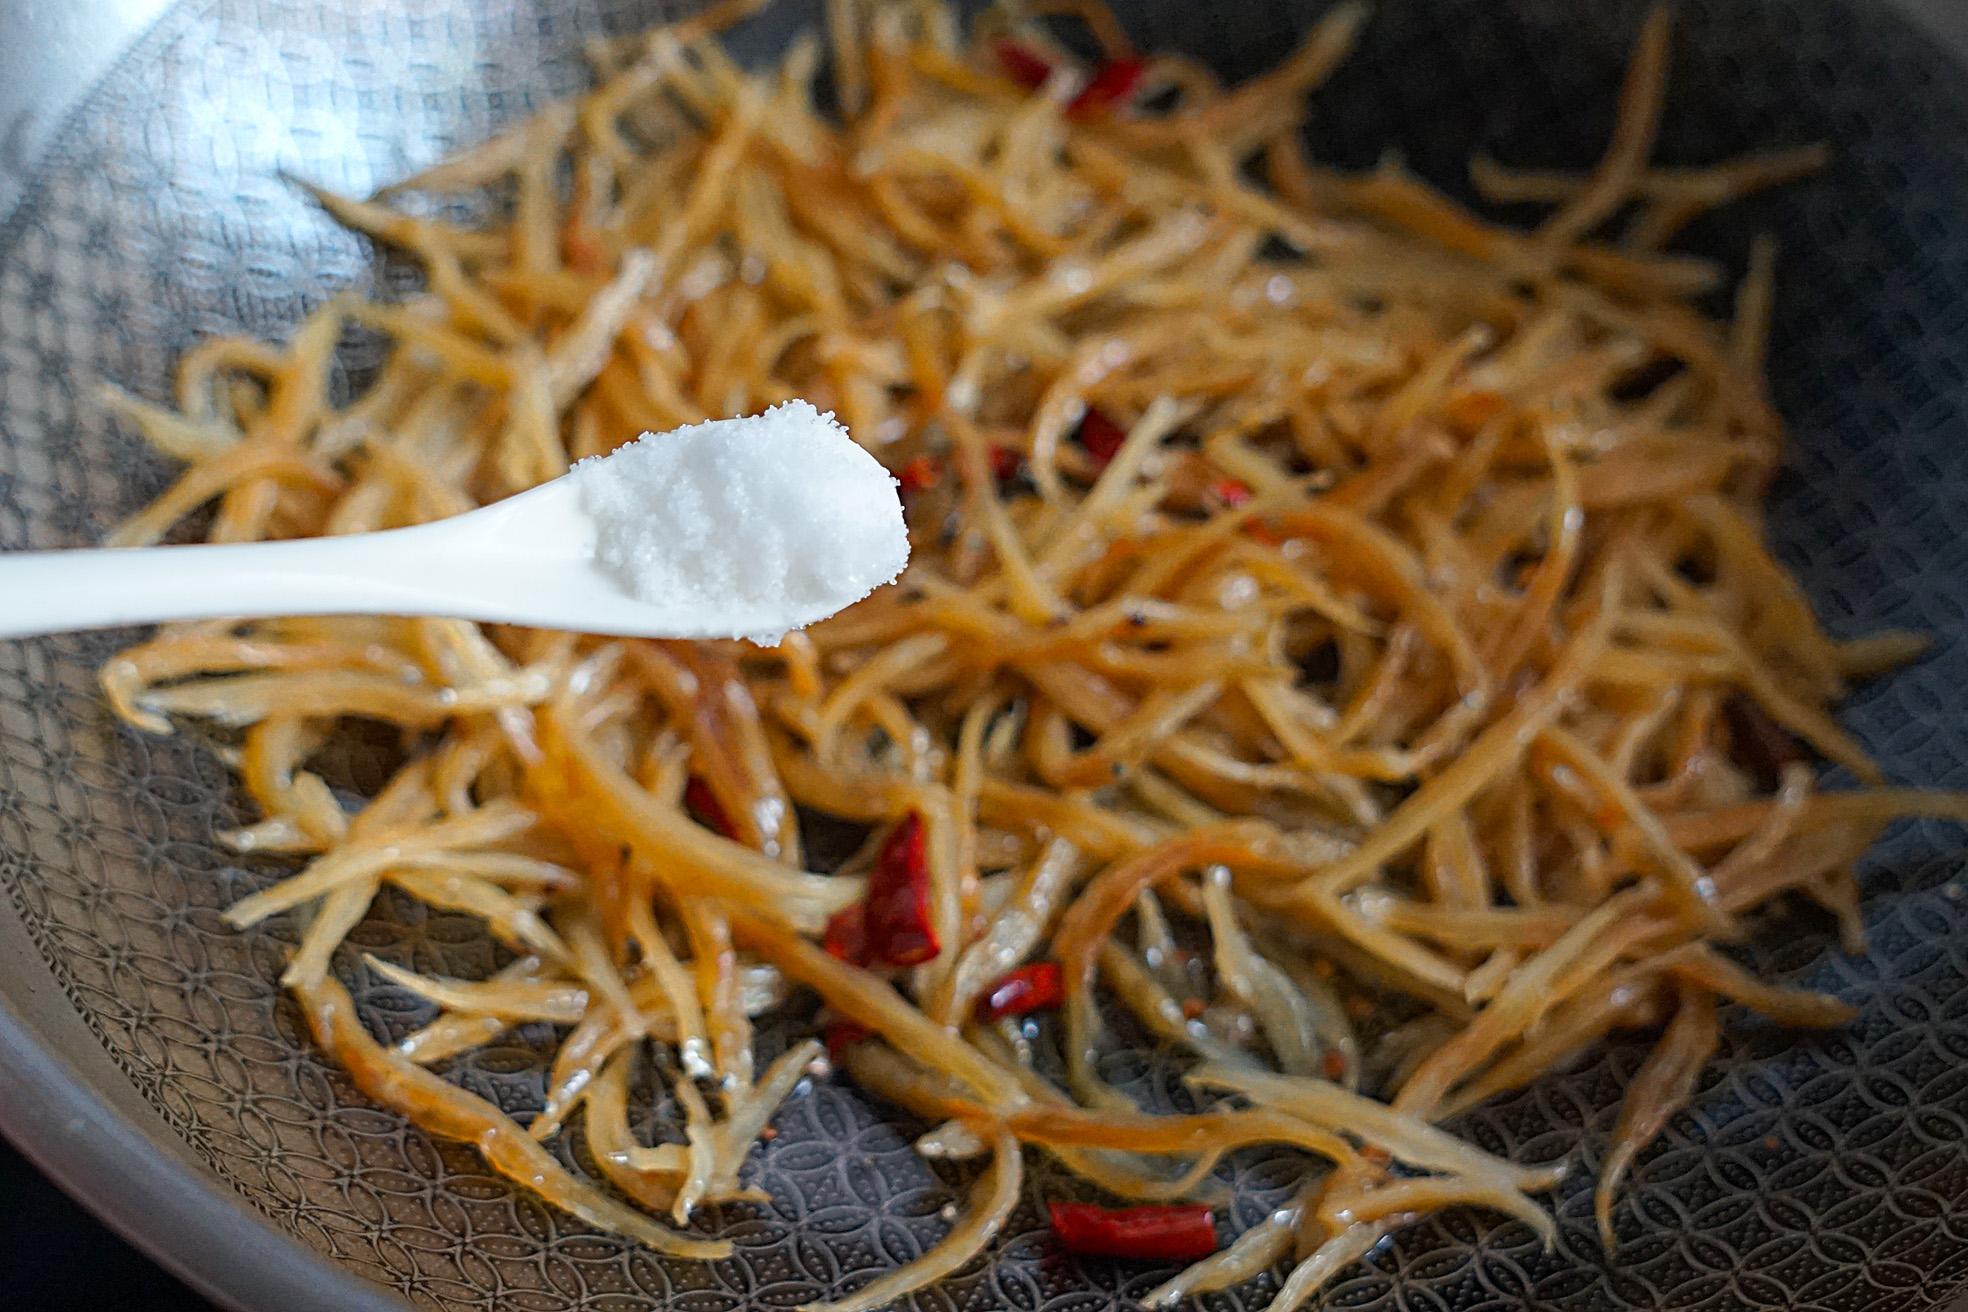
<point x="1101" y="437"/>
<point x="899" y="931"/>
<point x="920" y="475"/>
<point x="1469" y="412"/>
<point x="841" y="1035"/>
<point x="1183" y="1233"/>
<point x="1021" y="63"/>
<point x="1760" y="743"/>
<point x="1111" y="85"/>
<point x="1037" y="987"/>
<point x="1006" y="462"/>
<point x="703" y="804"/>
<point x="1258" y="531"/>
<point x="581" y="252"/>
<point x="1231" y="491"/>
<point x="846" y="936"/>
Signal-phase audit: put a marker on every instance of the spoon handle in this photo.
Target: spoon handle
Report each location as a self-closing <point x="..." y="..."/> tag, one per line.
<point x="527" y="560"/>
<point x="370" y="573"/>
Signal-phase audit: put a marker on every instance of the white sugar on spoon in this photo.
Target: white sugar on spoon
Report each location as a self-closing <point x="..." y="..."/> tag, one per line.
<point x="735" y="528"/>
<point x="781" y="512"/>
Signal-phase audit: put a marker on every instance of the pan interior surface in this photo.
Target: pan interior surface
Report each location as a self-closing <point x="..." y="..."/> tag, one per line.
<point x="1812" y="1173"/>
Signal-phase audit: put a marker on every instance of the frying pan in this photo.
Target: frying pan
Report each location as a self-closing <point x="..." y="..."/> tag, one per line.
<point x="148" y="1063"/>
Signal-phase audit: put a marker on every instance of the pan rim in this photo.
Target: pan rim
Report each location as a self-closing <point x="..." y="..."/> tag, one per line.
<point x="114" y="1160"/>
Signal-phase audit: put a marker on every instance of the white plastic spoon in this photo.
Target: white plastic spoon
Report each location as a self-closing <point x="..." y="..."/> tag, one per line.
<point x="744" y="527"/>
